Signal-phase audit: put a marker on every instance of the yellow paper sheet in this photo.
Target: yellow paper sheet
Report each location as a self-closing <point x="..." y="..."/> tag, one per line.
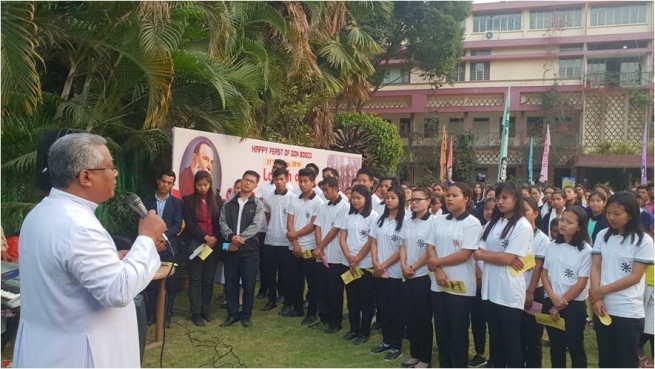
<point x="205" y="252"/>
<point x="306" y="254"/>
<point x="455" y="287"/>
<point x="528" y="263"/>
<point x="545" y="319"/>
<point x="349" y="277"/>
<point x="605" y="319"/>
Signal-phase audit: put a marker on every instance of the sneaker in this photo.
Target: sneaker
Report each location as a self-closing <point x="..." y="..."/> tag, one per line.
<point x="392" y="355"/>
<point x="477" y="361"/>
<point x="360" y="340"/>
<point x="380" y="348"/>
<point x="197" y="320"/>
<point x="332" y="329"/>
<point x="261" y="295"/>
<point x="286" y="309"/>
<point x="309" y="320"/>
<point x="349" y="336"/>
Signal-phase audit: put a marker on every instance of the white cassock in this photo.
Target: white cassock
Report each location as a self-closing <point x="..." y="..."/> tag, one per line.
<point x="77" y="306"/>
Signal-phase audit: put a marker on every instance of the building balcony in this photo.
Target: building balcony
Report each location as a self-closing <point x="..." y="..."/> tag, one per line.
<point x="617" y="79"/>
<point x="487" y="140"/>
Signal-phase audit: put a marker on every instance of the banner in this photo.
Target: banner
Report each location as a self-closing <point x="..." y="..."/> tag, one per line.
<point x="227" y="157"/>
<point x="442" y="156"/>
<point x="644" y="178"/>
<point x="450" y="160"/>
<point x="502" y="162"/>
<point x="543" y="176"/>
<point x="530" y="161"/>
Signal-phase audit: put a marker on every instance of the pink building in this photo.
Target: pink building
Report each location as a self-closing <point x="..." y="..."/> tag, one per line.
<point x="586" y="68"/>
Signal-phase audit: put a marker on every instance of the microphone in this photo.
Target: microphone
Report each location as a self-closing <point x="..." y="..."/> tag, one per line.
<point x="134" y="202"/>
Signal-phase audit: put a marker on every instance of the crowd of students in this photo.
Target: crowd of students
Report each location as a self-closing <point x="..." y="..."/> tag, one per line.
<point x="433" y="261"/>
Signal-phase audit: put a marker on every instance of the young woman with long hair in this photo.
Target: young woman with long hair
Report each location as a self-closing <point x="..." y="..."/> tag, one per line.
<point x="596" y="214"/>
<point x="570" y="197"/>
<point x="557" y="201"/>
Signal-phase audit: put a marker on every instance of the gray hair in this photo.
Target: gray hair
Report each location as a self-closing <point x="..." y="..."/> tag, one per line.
<point x="71" y="154"/>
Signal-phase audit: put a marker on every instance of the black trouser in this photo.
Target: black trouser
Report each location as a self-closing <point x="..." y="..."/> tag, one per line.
<point x="334" y="295"/>
<point x="390" y="310"/>
<point x="275" y="258"/>
<point x="531" y="334"/>
<point x="321" y="273"/>
<point x="361" y="304"/>
<point x="478" y="324"/>
<point x="618" y="342"/>
<point x="451" y="328"/>
<point x="645" y="337"/>
<point x="201" y="282"/>
<point x="263" y="288"/>
<point x="152" y="292"/>
<point x="244" y="267"/>
<point x="575" y="319"/>
<point x="294" y="277"/>
<point x="418" y="317"/>
<point x="504" y="342"/>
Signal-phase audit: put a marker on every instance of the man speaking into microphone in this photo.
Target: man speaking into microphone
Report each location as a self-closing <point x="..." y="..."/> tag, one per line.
<point x="77" y="291"/>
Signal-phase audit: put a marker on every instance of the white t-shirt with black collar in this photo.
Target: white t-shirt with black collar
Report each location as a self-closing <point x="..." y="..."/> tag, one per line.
<point x="539" y="245"/>
<point x="358" y="229"/>
<point x="618" y="258"/>
<point x="417" y="234"/>
<point x="498" y="284"/>
<point x="303" y="210"/>
<point x="388" y="243"/>
<point x="277" y="205"/>
<point x="263" y="191"/>
<point x="328" y="217"/>
<point x="565" y="264"/>
<point x="451" y="235"/>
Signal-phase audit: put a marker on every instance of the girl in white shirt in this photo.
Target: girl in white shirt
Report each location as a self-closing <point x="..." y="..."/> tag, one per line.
<point x="531" y="332"/>
<point x="416" y="288"/>
<point x="356" y="246"/>
<point x="557" y="201"/>
<point x="386" y="238"/>
<point x="506" y="238"/>
<point x="454" y="238"/>
<point x="621" y="255"/>
<point x="567" y="266"/>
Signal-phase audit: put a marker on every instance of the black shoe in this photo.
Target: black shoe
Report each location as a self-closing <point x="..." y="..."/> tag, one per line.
<point x="409" y="363"/>
<point x="197" y="320"/>
<point x="269" y="306"/>
<point x="294" y="314"/>
<point x="376" y="325"/>
<point x="318" y="324"/>
<point x="359" y="340"/>
<point x="286" y="309"/>
<point x="167" y="322"/>
<point x="280" y="299"/>
<point x="333" y="329"/>
<point x="229" y="321"/>
<point x="477" y="361"/>
<point x="246" y="323"/>
<point x="349" y="336"/>
<point x="261" y="295"/>
<point x="393" y="354"/>
<point x="207" y="317"/>
<point x="380" y="348"/>
<point x="309" y="320"/>
<point x="151" y="320"/>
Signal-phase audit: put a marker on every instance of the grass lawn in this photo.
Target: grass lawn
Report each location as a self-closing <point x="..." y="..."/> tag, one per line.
<point x="274" y="341"/>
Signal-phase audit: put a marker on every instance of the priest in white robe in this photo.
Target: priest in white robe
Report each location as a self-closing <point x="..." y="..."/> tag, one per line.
<point x="77" y="291"/>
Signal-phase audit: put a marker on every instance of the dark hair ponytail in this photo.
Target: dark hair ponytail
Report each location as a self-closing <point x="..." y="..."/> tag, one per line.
<point x="515" y="191"/>
<point x="400" y="215"/>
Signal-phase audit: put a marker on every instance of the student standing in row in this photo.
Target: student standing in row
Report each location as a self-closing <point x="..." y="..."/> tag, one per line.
<point x="366" y="178"/>
<point x="386" y="238"/>
<point x="565" y="277"/>
<point x="356" y="246"/>
<point x="557" y="201"/>
<point x="300" y="232"/>
<point x="454" y="238"/>
<point x="620" y="256"/>
<point x="506" y="238"/>
<point x="596" y="213"/>
<point x="531" y="332"/>
<point x="329" y="282"/>
<point x="416" y="288"/>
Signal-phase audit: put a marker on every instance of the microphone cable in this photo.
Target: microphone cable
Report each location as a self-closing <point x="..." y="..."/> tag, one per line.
<point x="163" y="341"/>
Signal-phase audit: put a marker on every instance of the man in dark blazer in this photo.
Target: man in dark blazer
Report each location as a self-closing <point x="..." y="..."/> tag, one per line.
<point x="169" y="209"/>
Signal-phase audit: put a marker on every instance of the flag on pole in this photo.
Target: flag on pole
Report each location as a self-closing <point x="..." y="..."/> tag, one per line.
<point x="502" y="160"/>
<point x="450" y="160"/>
<point x="442" y="157"/>
<point x="530" y="162"/>
<point x="644" y="178"/>
<point x="543" y="176"/>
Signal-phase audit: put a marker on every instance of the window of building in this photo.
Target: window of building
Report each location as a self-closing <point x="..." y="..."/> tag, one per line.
<point x="618" y="45"/>
<point x="555" y="18"/>
<point x="535" y="126"/>
<point x="618" y="14"/>
<point x="573" y="47"/>
<point x="405" y="127"/>
<point x="480" y="52"/>
<point x="455" y="125"/>
<point x="570" y="68"/>
<point x="396" y="75"/>
<point x="460" y="74"/>
<point x="431" y="127"/>
<point x="497" y="22"/>
<point x="480" y="71"/>
<point x="512" y="127"/>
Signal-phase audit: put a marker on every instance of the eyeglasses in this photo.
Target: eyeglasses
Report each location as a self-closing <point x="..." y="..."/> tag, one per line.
<point x="113" y="169"/>
<point x="248" y="180"/>
<point x="417" y="200"/>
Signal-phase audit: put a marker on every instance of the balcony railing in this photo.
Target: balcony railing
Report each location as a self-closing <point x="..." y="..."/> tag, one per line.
<point x="492" y="139"/>
<point x="617" y="79"/>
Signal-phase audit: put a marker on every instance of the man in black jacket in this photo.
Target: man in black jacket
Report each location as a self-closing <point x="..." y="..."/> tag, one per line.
<point x="169" y="209"/>
<point x="240" y="220"/>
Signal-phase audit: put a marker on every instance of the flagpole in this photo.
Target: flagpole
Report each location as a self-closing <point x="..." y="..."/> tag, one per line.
<point x="530" y="161"/>
<point x="502" y="158"/>
<point x="644" y="176"/>
<point x="449" y="165"/>
<point x="543" y="176"/>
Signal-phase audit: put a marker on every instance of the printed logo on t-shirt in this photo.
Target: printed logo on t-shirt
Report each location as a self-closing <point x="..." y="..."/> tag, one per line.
<point x="420" y="243"/>
<point x="568" y="273"/>
<point x="505" y="243"/>
<point x="284" y="211"/>
<point x="456" y="243"/>
<point x="394" y="237"/>
<point x="626" y="267"/>
<point x="307" y="215"/>
<point x="363" y="233"/>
